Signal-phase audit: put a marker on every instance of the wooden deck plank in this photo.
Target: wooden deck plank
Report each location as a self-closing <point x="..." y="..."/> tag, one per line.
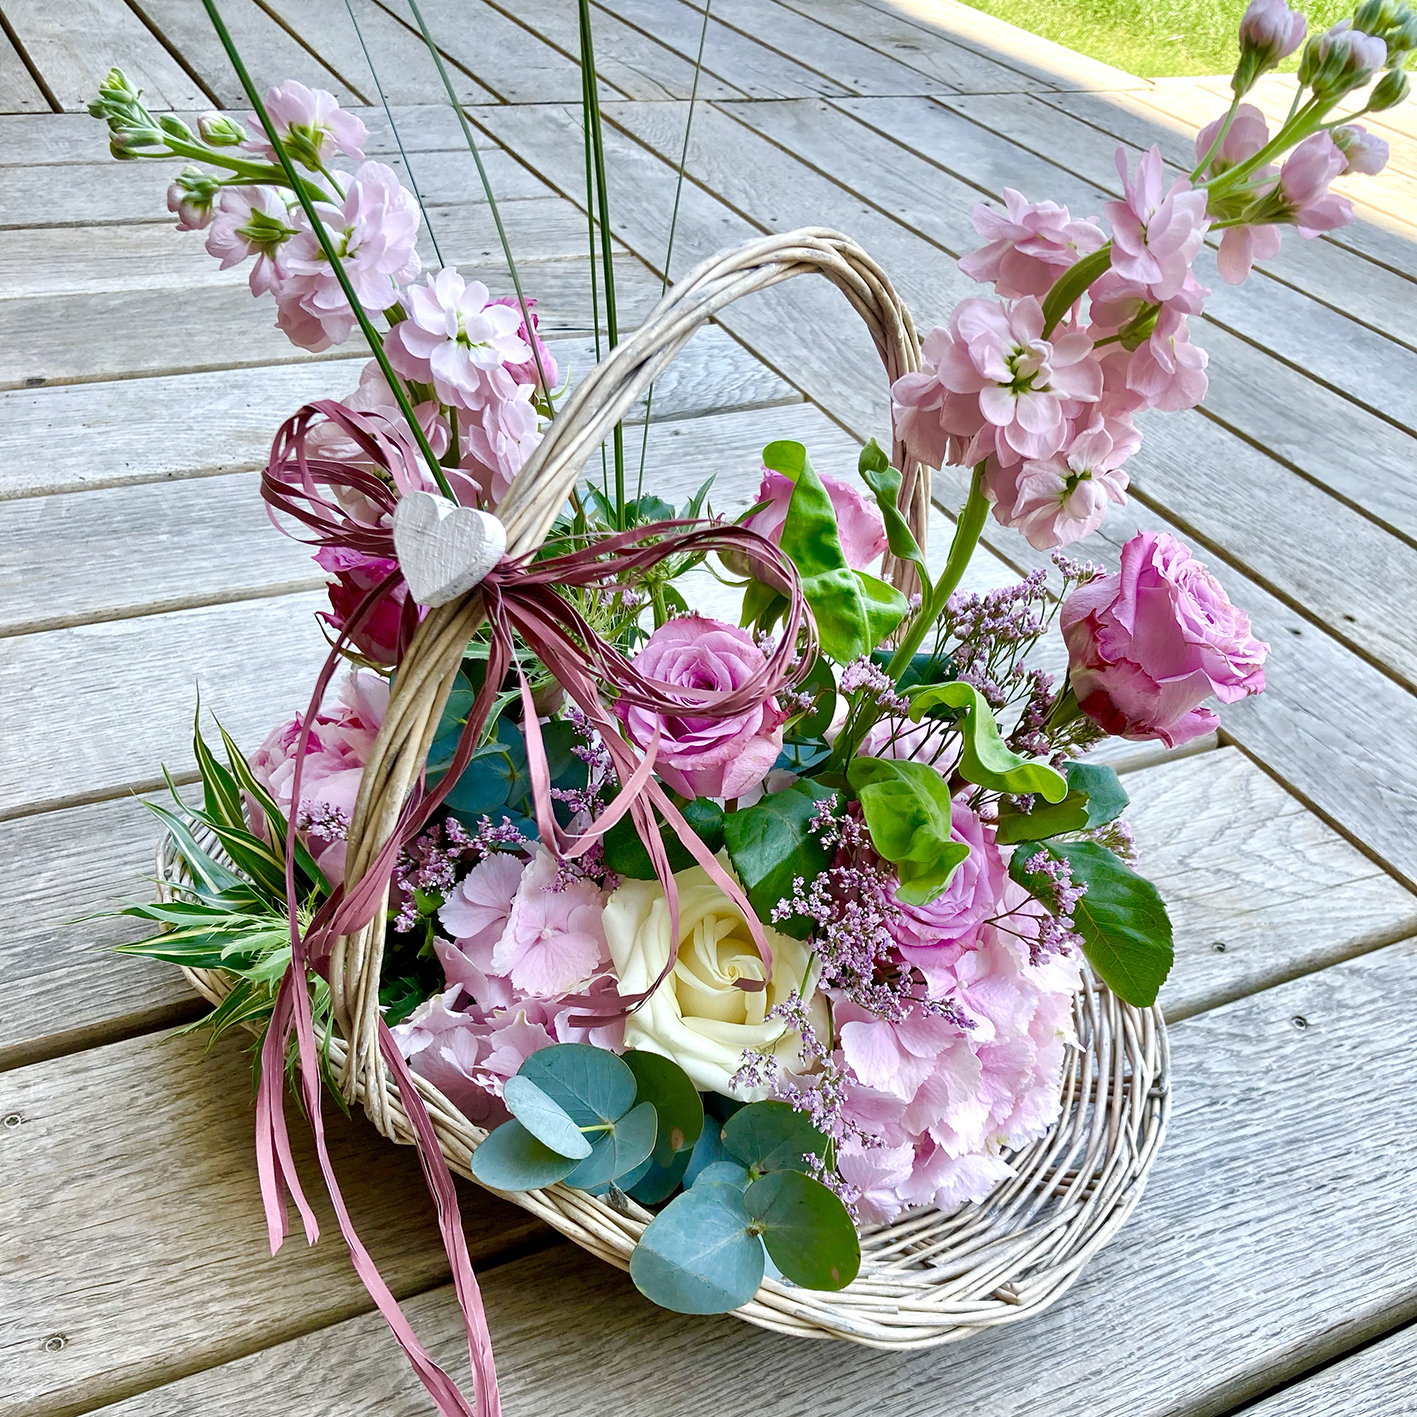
<point x="406" y="72"/>
<point x="951" y="64"/>
<point x="1378" y="1379"/>
<point x="266" y="49"/>
<point x="1329" y="720"/>
<point x="1278" y="1210"/>
<point x="18" y="91"/>
<point x="69" y="437"/>
<point x="135" y="1165"/>
<point x="753" y="68"/>
<point x="74" y="43"/>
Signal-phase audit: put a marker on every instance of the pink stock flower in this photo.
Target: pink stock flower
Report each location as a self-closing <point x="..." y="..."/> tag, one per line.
<point x="1363" y="151"/>
<point x="336" y="751"/>
<point x="191" y="205"/>
<point x="458" y="340"/>
<point x="1272" y="30"/>
<point x="1303" y="183"/>
<point x="1357" y="54"/>
<point x="858" y="519"/>
<point x="356" y="573"/>
<point x="1154" y="237"/>
<point x="1029" y="246"/>
<point x="1148" y="645"/>
<point x="701" y="756"/>
<point x="497" y="441"/>
<point x="1168" y="371"/>
<point x="1242" y="246"/>
<point x="553" y="943"/>
<point x="1027" y="386"/>
<point x="526" y="373"/>
<point x="1247" y="134"/>
<point x="1056" y="501"/>
<point x="374" y="230"/>
<point x="310" y="124"/>
<point x="251" y="221"/>
<point x="936" y="425"/>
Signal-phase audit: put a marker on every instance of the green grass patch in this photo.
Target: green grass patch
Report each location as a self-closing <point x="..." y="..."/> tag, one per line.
<point x="1151" y="38"/>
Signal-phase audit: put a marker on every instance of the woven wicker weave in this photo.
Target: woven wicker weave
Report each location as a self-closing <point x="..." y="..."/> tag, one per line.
<point x="931" y="1277"/>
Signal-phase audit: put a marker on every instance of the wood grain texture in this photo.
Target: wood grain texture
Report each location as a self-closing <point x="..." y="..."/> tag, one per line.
<point x="132" y="1223"/>
<point x="70" y="437"/>
<point x="267" y="50"/>
<point x="1379" y="1379"/>
<point x="74" y="43"/>
<point x="18" y="91"/>
<point x="1274" y="1124"/>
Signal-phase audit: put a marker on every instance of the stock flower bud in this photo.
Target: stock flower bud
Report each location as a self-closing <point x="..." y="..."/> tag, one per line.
<point x="1389" y="91"/>
<point x="219" y="131"/>
<point x="1365" y="152"/>
<point x="1269" y="31"/>
<point x="1375" y="16"/>
<point x="1346" y="59"/>
<point x="174" y="127"/>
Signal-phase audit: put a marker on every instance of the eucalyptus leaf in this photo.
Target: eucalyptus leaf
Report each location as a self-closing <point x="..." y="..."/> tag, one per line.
<point x="618" y="1150"/>
<point x="656" y="1182"/>
<point x="909" y="812"/>
<point x="707" y="1150"/>
<point x="729" y="1172"/>
<point x="591" y="1085"/>
<point x="771" y="1136"/>
<point x="806" y="1229"/>
<point x="676" y="1100"/>
<point x="511" y="1159"/>
<point x="1095" y="797"/>
<point x="770" y="845"/>
<point x="1126" y="932"/>
<point x="544" y="1119"/>
<point x="699" y="1255"/>
<point x="986" y="760"/>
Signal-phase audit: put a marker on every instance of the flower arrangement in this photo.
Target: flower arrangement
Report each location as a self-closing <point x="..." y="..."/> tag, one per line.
<point x="773" y="928"/>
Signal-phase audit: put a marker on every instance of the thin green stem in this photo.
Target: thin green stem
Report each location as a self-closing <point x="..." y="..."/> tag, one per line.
<point x="590" y="238"/>
<point x="376" y="344"/>
<point x="487" y="191"/>
<point x="1219" y="140"/>
<point x="1294" y="129"/>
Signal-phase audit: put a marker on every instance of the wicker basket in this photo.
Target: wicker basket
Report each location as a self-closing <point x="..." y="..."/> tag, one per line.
<point x="930" y="1277"/>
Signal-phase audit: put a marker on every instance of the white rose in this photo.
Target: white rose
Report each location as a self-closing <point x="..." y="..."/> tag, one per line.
<point x="698" y="1016"/>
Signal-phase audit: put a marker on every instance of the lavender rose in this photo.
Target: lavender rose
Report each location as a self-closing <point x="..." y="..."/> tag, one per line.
<point x="700" y="756"/>
<point x="1148" y="645"/>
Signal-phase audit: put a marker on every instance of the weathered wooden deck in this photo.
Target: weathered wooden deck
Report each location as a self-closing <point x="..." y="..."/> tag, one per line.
<point x="1275" y="1248"/>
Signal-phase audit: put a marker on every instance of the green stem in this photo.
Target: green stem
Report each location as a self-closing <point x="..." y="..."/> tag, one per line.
<point x="1219" y="140"/>
<point x="376" y="345"/>
<point x="1295" y="130"/>
<point x="1069" y="287"/>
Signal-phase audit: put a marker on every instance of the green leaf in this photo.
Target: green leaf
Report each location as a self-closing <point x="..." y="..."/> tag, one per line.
<point x="625" y="854"/>
<point x="698" y="1255"/>
<point x="762" y="605"/>
<point x="221" y="798"/>
<point x="622" y="1148"/>
<point x="729" y="1172"/>
<point x="769" y="845"/>
<point x="511" y="1159"/>
<point x="1095" y="797"/>
<point x="885" y="606"/>
<point x="909" y="813"/>
<point x="211" y="873"/>
<point x="1126" y="932"/>
<point x="987" y="761"/>
<point x="771" y="1136"/>
<point x="822" y="682"/>
<point x="1069" y="288"/>
<point x="546" y="1121"/>
<point x="806" y="1229"/>
<point x="838" y="596"/>
<point x="707" y="1150"/>
<point x="676" y="1102"/>
<point x="659" y="1182"/>
<point x="592" y="1086"/>
<point x="884" y="481"/>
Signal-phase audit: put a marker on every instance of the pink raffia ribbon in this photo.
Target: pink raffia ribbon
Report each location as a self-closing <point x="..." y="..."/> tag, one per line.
<point x="350" y="505"/>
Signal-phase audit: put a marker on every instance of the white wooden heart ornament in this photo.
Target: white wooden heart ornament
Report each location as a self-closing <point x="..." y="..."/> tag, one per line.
<point x="444" y="549"/>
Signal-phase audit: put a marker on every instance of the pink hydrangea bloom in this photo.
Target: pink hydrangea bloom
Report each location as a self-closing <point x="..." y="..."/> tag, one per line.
<point x="553" y="943"/>
<point x="475" y="914"/>
<point x="1272" y="29"/>
<point x="458" y="340"/>
<point x="858" y="519"/>
<point x="1303" y="182"/>
<point x="310" y="124"/>
<point x="1168" y="371"/>
<point x="1148" y="645"/>
<point x="1029" y="245"/>
<point x="1154" y="237"/>
<point x="1363" y="151"/>
<point x="251" y="221"/>
<point x="336" y="752"/>
<point x="1056" y="501"/>
<point x="374" y="229"/>
<point x="1027" y="386"/>
<point x="700" y="756"/>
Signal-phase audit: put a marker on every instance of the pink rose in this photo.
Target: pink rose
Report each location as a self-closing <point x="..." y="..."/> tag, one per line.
<point x="356" y="573"/>
<point x="701" y="756"/>
<point x="858" y="520"/>
<point x="1148" y="645"/>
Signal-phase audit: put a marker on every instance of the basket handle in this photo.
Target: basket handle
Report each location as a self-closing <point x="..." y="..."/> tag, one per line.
<point x="531" y="505"/>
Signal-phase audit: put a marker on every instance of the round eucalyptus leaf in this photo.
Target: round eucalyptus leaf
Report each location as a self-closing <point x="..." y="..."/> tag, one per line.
<point x="656" y="1183"/>
<point x="806" y="1229"/>
<point x="676" y="1101"/>
<point x="728" y="1173"/>
<point x="707" y="1150"/>
<point x="771" y="1136"/>
<point x="698" y="1255"/>
<point x="511" y="1159"/>
<point x="620" y="1150"/>
<point x="544" y="1119"/>
<point x="589" y="1084"/>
